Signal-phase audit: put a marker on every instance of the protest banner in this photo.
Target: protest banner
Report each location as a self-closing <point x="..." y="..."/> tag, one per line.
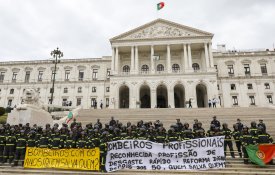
<point x="195" y="154"/>
<point x="78" y="159"/>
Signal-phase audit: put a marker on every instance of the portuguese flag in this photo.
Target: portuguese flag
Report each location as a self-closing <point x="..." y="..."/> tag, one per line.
<point x="160" y="5"/>
<point x="69" y="117"/>
<point x="261" y="154"/>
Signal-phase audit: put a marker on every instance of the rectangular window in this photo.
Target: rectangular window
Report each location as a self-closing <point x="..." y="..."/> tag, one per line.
<point x="67" y="74"/>
<point x="27" y="76"/>
<point x="235" y="100"/>
<point x="218" y="86"/>
<point x="11" y="91"/>
<point x="95" y="71"/>
<point x="14" y="75"/>
<point x="269" y="98"/>
<point x="230" y="70"/>
<point x="93" y="102"/>
<point x="78" y="101"/>
<point x="246" y="69"/>
<point x="267" y="86"/>
<point x="252" y="100"/>
<point x="79" y="89"/>
<point x="9" y="102"/>
<point x="233" y="86"/>
<point x="40" y="74"/>
<point x="2" y="76"/>
<point x="81" y="76"/>
<point x="107" y="102"/>
<point x="65" y="90"/>
<point x="263" y="69"/>
<point x="93" y="89"/>
<point x="64" y="102"/>
<point x="108" y="73"/>
<point x="249" y="86"/>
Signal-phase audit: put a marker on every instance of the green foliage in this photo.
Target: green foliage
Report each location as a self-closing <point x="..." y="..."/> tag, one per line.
<point x="3" y="119"/>
<point x="2" y="111"/>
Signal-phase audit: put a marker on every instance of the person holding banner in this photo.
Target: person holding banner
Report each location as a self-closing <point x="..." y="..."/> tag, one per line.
<point x="44" y="141"/>
<point x="236" y="135"/>
<point x="227" y="139"/>
<point x="103" y="150"/>
<point x="70" y="142"/>
<point x="246" y="139"/>
<point x="20" y="150"/>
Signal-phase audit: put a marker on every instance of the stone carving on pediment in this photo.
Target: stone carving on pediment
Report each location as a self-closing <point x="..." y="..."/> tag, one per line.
<point x="68" y="68"/>
<point x="190" y="81"/>
<point x="28" y="69"/>
<point x="262" y="61"/>
<point x="95" y="66"/>
<point x="159" y="31"/>
<point x="229" y="62"/>
<point x="80" y="67"/>
<point x="15" y="70"/>
<point x="41" y="68"/>
<point x="3" y="70"/>
<point x="246" y="61"/>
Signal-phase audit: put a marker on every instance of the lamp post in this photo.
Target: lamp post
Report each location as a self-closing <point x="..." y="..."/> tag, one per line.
<point x="57" y="54"/>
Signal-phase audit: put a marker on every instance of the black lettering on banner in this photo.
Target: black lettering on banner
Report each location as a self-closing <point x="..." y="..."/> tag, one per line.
<point x="209" y="152"/>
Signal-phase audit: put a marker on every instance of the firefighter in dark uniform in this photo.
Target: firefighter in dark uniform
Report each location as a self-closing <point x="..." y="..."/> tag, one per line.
<point x="2" y="143"/>
<point x="56" y="141"/>
<point x="198" y="129"/>
<point x="10" y="146"/>
<point x="70" y="141"/>
<point x="215" y="122"/>
<point x="261" y="124"/>
<point x="211" y="131"/>
<point x="129" y="134"/>
<point x="246" y="139"/>
<point x="142" y="135"/>
<point x="172" y="136"/>
<point x="236" y="135"/>
<point x="160" y="135"/>
<point x="227" y="139"/>
<point x="44" y="140"/>
<point x="264" y="138"/>
<point x="253" y="129"/>
<point x="82" y="141"/>
<point x="116" y="135"/>
<point x="95" y="138"/>
<point x="103" y="149"/>
<point x="31" y="139"/>
<point x="200" y="133"/>
<point x="20" y="151"/>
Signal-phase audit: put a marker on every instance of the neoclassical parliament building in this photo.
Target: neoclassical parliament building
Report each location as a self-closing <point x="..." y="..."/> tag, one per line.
<point x="161" y="64"/>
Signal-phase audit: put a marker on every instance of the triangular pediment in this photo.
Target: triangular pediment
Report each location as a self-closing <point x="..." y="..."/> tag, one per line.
<point x="161" y="28"/>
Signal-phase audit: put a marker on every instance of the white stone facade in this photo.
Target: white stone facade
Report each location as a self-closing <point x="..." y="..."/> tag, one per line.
<point x="160" y="64"/>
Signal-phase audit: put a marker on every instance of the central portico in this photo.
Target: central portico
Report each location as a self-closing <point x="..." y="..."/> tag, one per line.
<point x="162" y="64"/>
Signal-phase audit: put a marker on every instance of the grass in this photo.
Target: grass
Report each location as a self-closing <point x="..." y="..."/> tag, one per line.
<point x="3" y="118"/>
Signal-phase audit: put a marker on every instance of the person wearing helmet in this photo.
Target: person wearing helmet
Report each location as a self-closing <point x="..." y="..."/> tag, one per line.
<point x="95" y="138"/>
<point x="70" y="142"/>
<point x="2" y="143"/>
<point x="31" y="142"/>
<point x="227" y="139"/>
<point x="239" y="125"/>
<point x="56" y="141"/>
<point x="160" y="135"/>
<point x="187" y="134"/>
<point x="200" y="133"/>
<point x="236" y="135"/>
<point x="261" y="123"/>
<point x="215" y="122"/>
<point x="253" y="129"/>
<point x="179" y="125"/>
<point x="198" y="130"/>
<point x="246" y="139"/>
<point x="172" y="136"/>
<point x="20" y="150"/>
<point x="263" y="137"/>
<point x="9" y="148"/>
<point x="116" y="135"/>
<point x="211" y="131"/>
<point x="142" y="135"/>
<point x="82" y="141"/>
<point x="195" y="125"/>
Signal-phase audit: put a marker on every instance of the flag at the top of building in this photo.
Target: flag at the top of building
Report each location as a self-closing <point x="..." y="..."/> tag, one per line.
<point x="160" y="5"/>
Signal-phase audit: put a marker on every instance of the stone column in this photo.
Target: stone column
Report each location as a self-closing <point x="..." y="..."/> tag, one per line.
<point x="171" y="100"/>
<point x="113" y="59"/>
<point x="152" y="60"/>
<point x="189" y="57"/>
<point x="116" y="61"/>
<point x="168" y="59"/>
<point x="153" y="97"/>
<point x="206" y="56"/>
<point x="132" y="60"/>
<point x="185" y="57"/>
<point x="136" y="60"/>
<point x="211" y="55"/>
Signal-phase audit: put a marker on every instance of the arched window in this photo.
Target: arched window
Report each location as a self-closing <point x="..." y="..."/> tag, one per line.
<point x="144" y="68"/>
<point x="160" y="67"/>
<point x="196" y="66"/>
<point x="175" y="68"/>
<point x="126" y="68"/>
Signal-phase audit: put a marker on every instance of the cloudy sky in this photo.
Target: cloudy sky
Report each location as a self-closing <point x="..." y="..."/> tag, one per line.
<point x="31" y="29"/>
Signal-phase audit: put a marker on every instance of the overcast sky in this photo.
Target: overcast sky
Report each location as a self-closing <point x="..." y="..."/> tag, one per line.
<point x="31" y="29"/>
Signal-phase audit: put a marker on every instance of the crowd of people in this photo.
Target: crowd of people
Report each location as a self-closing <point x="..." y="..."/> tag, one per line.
<point x="14" y="139"/>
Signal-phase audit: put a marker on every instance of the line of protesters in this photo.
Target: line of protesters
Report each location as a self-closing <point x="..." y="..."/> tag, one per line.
<point x="14" y="139"/>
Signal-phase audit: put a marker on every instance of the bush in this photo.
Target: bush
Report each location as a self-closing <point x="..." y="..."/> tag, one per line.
<point x="2" y="111"/>
<point x="3" y="119"/>
<point x="8" y="109"/>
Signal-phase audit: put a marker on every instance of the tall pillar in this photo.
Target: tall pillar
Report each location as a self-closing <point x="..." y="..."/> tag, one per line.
<point x="116" y="61"/>
<point x="185" y="57"/>
<point x="171" y="100"/>
<point x="152" y="60"/>
<point x="189" y="57"/>
<point x="206" y="56"/>
<point x="113" y="59"/>
<point x="211" y="55"/>
<point x="136" y="60"/>
<point x="153" y="97"/>
<point x="132" y="59"/>
<point x="168" y="59"/>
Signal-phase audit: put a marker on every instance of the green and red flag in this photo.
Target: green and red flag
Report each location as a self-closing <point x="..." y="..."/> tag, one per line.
<point x="261" y="154"/>
<point x="160" y="5"/>
<point x="69" y="117"/>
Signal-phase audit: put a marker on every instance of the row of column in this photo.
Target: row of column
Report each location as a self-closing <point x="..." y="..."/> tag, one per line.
<point x="186" y="58"/>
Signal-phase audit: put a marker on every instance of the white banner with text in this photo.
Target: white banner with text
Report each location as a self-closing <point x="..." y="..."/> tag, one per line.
<point x="195" y="154"/>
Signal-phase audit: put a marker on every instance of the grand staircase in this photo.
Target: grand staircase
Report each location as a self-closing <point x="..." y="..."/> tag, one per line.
<point x="168" y="117"/>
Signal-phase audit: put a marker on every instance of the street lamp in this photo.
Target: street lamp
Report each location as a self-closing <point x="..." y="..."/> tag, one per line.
<point x="57" y="54"/>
